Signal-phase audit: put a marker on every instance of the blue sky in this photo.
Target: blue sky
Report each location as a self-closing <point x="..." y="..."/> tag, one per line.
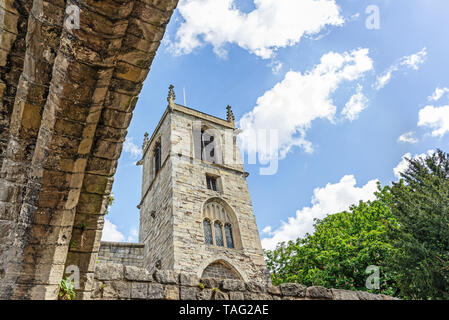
<point x="349" y="101"/>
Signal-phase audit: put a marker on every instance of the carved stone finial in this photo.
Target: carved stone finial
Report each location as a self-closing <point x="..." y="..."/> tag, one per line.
<point x="171" y="95"/>
<point x="144" y="145"/>
<point x="145" y="140"/>
<point x="230" y="115"/>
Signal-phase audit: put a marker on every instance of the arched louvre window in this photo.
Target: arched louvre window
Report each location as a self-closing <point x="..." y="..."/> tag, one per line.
<point x="207" y="232"/>
<point x="218" y="234"/>
<point x="209" y="153"/>
<point x="228" y="235"/>
<point x="224" y="224"/>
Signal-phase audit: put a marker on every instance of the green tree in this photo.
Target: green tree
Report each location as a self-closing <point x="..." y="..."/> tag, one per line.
<point x="420" y="203"/>
<point x="338" y="253"/>
<point x="111" y="200"/>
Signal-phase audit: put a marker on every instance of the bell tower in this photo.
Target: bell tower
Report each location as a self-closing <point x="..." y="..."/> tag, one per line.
<point x="196" y="214"/>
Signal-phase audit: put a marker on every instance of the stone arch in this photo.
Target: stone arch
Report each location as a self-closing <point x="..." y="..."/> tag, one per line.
<point x="216" y="209"/>
<point x="220" y="269"/>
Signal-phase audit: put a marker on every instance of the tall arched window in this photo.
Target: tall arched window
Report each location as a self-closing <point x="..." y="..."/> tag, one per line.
<point x="218" y="216"/>
<point x="228" y="235"/>
<point x="207" y="232"/>
<point x="218" y="234"/>
<point x="157" y="154"/>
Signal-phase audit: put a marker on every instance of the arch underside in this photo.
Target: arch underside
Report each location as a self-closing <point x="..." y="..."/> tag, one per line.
<point x="66" y="98"/>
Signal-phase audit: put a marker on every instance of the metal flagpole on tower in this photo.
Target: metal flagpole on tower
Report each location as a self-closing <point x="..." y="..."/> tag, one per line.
<point x="184" y="93"/>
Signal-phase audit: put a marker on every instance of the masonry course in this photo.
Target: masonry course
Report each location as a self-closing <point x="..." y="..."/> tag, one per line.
<point x="111" y="282"/>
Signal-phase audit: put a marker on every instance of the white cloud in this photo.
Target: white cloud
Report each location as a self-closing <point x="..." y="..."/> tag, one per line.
<point x="384" y="78"/>
<point x="408" y="137"/>
<point x="355" y="105"/>
<point x="267" y="230"/>
<point x="411" y="62"/>
<point x="333" y="198"/>
<point x="438" y="94"/>
<point x="133" y="234"/>
<point x="271" y="25"/>
<point x="276" y="67"/>
<point x="131" y="148"/>
<point x="436" y="118"/>
<point x="403" y="164"/>
<point x="110" y="232"/>
<point x="292" y="104"/>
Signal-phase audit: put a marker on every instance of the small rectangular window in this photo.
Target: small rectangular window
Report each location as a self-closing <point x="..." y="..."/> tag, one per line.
<point x="211" y="183"/>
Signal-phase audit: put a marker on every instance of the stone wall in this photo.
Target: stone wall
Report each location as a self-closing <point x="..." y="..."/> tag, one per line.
<point x="129" y="254"/>
<point x="115" y="281"/>
<point x="156" y="207"/>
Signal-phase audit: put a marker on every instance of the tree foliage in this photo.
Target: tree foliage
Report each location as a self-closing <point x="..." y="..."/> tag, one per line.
<point x="338" y="253"/>
<point x="420" y="203"/>
<point x="404" y="231"/>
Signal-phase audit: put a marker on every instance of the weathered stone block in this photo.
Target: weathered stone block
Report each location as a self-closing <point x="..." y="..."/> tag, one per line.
<point x="122" y="289"/>
<point x="108" y="271"/>
<point x="155" y="291"/>
<point x="210" y="283"/>
<point x="368" y="296"/>
<point x="233" y="285"/>
<point x="218" y="295"/>
<point x="166" y="276"/>
<point x="274" y="290"/>
<point x="188" y="293"/>
<point x="190" y="280"/>
<point x="205" y="294"/>
<point x="251" y="295"/>
<point x="254" y="286"/>
<point x="339" y="294"/>
<point x="137" y="274"/>
<point x="293" y="289"/>
<point x="139" y="290"/>
<point x="317" y="292"/>
<point x="171" y="292"/>
<point x="236" y="296"/>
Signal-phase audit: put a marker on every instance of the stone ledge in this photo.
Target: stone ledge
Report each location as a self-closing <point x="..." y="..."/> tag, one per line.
<point x="121" y="244"/>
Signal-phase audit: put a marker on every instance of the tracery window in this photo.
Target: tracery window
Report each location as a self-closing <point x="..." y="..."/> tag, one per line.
<point x="220" y="225"/>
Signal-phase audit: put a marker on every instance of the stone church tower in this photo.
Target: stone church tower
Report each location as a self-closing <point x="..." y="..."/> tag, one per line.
<point x="196" y="214"/>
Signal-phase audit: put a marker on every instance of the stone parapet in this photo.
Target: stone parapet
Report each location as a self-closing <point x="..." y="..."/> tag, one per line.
<point x="117" y="282"/>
